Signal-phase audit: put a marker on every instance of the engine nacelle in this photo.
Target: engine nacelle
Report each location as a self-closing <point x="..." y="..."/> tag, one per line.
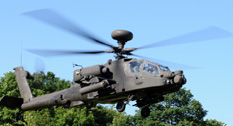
<point x="97" y="70"/>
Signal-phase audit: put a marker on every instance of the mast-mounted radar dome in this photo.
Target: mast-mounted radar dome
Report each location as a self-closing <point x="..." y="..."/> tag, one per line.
<point x="122" y="36"/>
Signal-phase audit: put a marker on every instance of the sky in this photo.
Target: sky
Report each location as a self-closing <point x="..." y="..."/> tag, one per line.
<point x="150" y="21"/>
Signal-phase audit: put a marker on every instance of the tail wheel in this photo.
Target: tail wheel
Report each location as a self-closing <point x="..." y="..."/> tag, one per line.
<point x="120" y="106"/>
<point x="18" y="116"/>
<point x="145" y="112"/>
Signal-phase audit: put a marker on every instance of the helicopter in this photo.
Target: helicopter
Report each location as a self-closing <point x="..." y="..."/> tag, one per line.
<point x="117" y="81"/>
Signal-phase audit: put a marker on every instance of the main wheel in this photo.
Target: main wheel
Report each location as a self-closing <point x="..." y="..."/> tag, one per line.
<point x="120" y="106"/>
<point x="145" y="112"/>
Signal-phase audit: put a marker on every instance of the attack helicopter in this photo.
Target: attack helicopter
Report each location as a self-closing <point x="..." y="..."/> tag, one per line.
<point x="117" y="81"/>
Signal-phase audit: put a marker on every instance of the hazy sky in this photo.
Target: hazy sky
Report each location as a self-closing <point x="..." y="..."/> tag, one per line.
<point x="149" y="20"/>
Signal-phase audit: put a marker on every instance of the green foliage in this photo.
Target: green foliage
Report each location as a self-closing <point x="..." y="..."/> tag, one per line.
<point x="122" y="120"/>
<point x="8" y="85"/>
<point x="41" y="84"/>
<point x="178" y="108"/>
<point x="99" y="116"/>
<point x="213" y="122"/>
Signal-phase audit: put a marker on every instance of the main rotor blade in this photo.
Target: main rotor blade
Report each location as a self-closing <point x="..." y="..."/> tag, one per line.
<point x="49" y="53"/>
<point x="171" y="65"/>
<point x="209" y="33"/>
<point x="57" y="20"/>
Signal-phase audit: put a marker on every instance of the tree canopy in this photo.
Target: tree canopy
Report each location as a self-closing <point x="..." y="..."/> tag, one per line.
<point x="179" y="108"/>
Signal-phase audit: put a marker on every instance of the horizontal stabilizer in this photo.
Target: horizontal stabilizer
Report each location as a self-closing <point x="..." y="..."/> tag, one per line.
<point x="11" y="102"/>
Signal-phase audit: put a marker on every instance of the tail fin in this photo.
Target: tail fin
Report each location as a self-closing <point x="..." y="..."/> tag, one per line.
<point x="24" y="89"/>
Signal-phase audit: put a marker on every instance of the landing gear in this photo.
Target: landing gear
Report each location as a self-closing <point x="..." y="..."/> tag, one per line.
<point x="145" y="112"/>
<point x="140" y="102"/>
<point x="120" y="106"/>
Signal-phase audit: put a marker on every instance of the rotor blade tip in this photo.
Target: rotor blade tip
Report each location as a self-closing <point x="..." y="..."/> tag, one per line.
<point x="220" y="31"/>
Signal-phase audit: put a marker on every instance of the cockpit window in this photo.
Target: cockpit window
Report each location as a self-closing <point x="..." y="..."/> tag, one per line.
<point x="151" y="69"/>
<point x="164" y="68"/>
<point x="135" y="66"/>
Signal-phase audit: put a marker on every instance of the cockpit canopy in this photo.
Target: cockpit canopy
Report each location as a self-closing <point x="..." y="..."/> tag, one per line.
<point x="154" y="69"/>
<point x="135" y="66"/>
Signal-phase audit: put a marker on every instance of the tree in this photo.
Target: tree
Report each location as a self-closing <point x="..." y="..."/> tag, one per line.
<point x="214" y="122"/>
<point x="42" y="83"/>
<point x="179" y="109"/>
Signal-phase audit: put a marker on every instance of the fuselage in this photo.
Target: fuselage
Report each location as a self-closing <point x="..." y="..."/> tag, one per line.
<point x="126" y="77"/>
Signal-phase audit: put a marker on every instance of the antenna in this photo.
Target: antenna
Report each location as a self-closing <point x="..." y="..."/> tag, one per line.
<point x="21" y="56"/>
<point x="74" y="65"/>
